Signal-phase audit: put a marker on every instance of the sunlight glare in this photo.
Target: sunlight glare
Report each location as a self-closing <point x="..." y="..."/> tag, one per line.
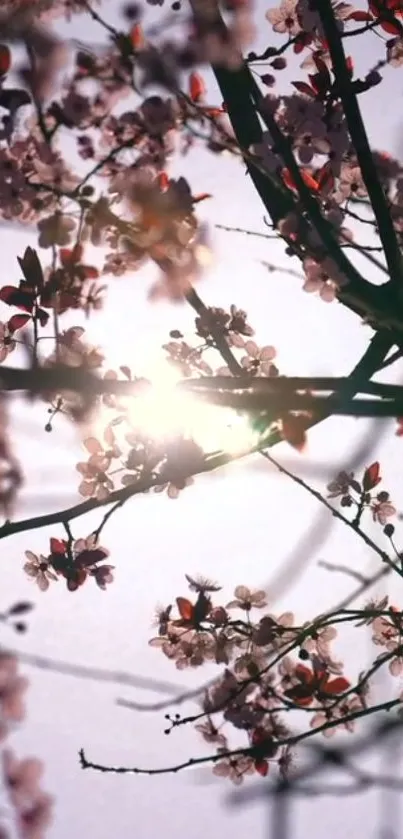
<point x="165" y="412"/>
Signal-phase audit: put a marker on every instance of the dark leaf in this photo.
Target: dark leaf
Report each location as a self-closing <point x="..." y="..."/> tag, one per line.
<point x="16" y="297"/>
<point x="17" y="322"/>
<point x="31" y="268"/>
<point x="20" y="608"/>
<point x="303" y="87"/>
<point x="88" y="557"/>
<point x="42" y="316"/>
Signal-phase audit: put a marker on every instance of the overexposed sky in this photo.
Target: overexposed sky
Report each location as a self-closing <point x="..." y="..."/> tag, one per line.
<point x="236" y="526"/>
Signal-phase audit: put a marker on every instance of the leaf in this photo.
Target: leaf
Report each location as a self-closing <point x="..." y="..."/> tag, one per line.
<point x="197" y="88"/>
<point x="301" y="42"/>
<point x="57" y="546"/>
<point x="185" y="608"/>
<point x="31" y="268"/>
<point x="307" y="178"/>
<point x="300" y="694"/>
<point x="15" y="297"/>
<point x="17" y="322"/>
<point x="359" y="15"/>
<point x="20" y="608"/>
<point x="5" y="59"/>
<point x="126" y="372"/>
<point x="294" y="432"/>
<point x="90" y="557"/>
<point x="371" y="477"/>
<point x="262" y="767"/>
<point x="338" y="685"/>
<point x="136" y="36"/>
<point x="200" y="197"/>
<point x="303" y="87"/>
<point x="42" y="316"/>
<point x="71" y="256"/>
<point x="163" y="180"/>
<point x="88" y="272"/>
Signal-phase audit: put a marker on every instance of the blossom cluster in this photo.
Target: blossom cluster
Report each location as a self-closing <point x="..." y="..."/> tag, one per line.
<point x="75" y="561"/>
<point x="271" y="667"/>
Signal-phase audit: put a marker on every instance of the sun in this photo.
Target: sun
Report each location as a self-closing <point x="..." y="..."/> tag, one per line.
<point x="165" y="412"/>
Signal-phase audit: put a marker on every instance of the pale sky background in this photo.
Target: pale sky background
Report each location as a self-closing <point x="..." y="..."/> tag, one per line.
<point x="237" y="526"/>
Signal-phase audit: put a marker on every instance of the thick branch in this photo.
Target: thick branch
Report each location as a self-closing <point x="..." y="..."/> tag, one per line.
<point x="344" y="89"/>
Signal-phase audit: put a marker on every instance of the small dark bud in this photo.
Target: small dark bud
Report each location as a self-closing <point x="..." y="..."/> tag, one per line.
<point x="279" y="63"/>
<point x="389" y="530"/>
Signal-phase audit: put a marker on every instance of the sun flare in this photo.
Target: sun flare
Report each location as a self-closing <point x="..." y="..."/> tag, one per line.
<point x="165" y="413"/>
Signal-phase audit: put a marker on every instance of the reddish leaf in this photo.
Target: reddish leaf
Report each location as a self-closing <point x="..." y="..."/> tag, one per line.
<point x="392" y="28"/>
<point x="163" y="180"/>
<point x="15" y="297"/>
<point x="335" y="686"/>
<point x="185" y="608"/>
<point x="304" y="673"/>
<point x="302" y="41"/>
<point x="71" y="256"/>
<point x="307" y="178"/>
<point x="6" y="292"/>
<point x="76" y="580"/>
<point x="303" y="87"/>
<point x="294" y="432"/>
<point x="136" y="36"/>
<point x="213" y="112"/>
<point x="17" y="322"/>
<point x="58" y="546"/>
<point x="371" y="477"/>
<point x="197" y="88"/>
<point x="262" y="767"/>
<point x="359" y="15"/>
<point x="201" y="197"/>
<point x="88" y="557"/>
<point x="5" y="59"/>
<point x="88" y="272"/>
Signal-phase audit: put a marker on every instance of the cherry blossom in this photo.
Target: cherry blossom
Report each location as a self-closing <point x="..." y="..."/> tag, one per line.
<point x="40" y="569"/>
<point x="259" y="360"/>
<point x="284" y="18"/>
<point x="233" y="768"/>
<point x="247" y="599"/>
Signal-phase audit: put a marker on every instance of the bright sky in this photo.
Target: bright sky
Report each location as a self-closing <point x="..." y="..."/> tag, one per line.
<point x="238" y="526"/>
